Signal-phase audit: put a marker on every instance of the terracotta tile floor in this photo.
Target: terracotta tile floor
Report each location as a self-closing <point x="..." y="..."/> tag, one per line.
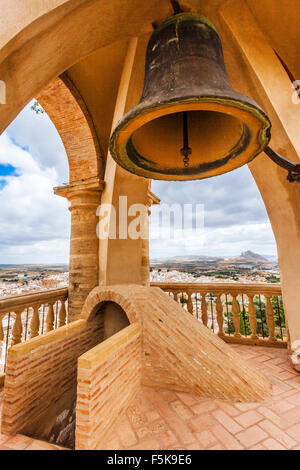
<point x="161" y="419"/>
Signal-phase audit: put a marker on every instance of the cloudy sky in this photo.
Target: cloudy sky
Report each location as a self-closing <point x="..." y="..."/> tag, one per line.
<point x="35" y="224"/>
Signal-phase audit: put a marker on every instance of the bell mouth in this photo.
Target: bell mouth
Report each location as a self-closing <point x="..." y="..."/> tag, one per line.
<point x="222" y="136"/>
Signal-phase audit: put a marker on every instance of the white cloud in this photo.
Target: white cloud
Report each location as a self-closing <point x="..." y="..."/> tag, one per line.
<point x="34" y="223"/>
<point x="222" y="241"/>
<point x="235" y="218"/>
<point x="37" y="134"/>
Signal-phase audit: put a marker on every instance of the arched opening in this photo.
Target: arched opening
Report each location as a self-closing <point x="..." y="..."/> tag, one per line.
<point x="115" y="319"/>
<point x="109" y="317"/>
<point x="35" y="159"/>
<point x="39" y="150"/>
<point x="68" y="112"/>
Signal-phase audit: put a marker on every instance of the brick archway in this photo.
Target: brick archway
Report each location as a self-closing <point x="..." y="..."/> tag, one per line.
<point x="68" y="112"/>
<point x="118" y="294"/>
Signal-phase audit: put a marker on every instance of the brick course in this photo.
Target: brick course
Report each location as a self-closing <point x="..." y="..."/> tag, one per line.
<point x="40" y="371"/>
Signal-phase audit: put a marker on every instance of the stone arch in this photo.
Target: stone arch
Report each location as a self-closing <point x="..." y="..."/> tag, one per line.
<point x="47" y="42"/>
<point x="68" y="112"/>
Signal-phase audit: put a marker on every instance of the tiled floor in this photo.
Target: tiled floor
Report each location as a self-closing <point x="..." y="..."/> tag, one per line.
<point x="161" y="419"/>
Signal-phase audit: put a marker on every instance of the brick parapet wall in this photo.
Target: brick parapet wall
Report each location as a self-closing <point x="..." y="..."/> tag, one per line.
<point x="40" y="371"/>
<point x="108" y="377"/>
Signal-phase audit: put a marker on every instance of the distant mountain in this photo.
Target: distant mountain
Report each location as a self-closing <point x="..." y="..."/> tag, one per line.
<point x="270" y="257"/>
<point x="246" y="258"/>
<point x="188" y="258"/>
<point x="250" y="256"/>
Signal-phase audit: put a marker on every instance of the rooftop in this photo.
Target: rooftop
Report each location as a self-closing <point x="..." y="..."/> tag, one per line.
<point x="163" y="419"/>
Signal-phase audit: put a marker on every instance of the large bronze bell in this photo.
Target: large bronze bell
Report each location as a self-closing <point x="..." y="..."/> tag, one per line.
<point x="190" y="123"/>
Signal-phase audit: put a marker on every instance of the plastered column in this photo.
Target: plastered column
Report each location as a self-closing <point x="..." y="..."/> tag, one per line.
<point x="121" y="258"/>
<point x="151" y="201"/>
<point x="85" y="197"/>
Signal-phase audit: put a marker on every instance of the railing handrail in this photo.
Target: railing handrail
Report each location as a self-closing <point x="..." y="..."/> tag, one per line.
<point x="223" y="308"/>
<point x="29" y="315"/>
<point x="221" y="287"/>
<point x="15" y="302"/>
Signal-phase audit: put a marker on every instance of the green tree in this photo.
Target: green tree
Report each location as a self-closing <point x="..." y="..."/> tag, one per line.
<point x="261" y="318"/>
<point x="279" y="315"/>
<point x="37" y="108"/>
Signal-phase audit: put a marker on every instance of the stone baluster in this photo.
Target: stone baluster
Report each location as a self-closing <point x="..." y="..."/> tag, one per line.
<point x="252" y="317"/>
<point x="17" y="328"/>
<point x="270" y="319"/>
<point x="190" y="306"/>
<point x="1" y="328"/>
<point x="35" y="322"/>
<point x="204" y="315"/>
<point x="220" y="318"/>
<point x="236" y="316"/>
<point x="62" y="313"/>
<point x="50" y="317"/>
<point x="174" y="295"/>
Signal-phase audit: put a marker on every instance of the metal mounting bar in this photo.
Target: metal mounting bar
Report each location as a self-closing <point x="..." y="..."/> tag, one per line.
<point x="292" y="168"/>
<point x="176" y="7"/>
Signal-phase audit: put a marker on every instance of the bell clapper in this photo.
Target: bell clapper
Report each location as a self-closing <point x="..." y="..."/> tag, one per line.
<point x="186" y="150"/>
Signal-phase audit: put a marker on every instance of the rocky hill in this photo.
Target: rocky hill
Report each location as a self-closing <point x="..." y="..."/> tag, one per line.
<point x="247" y="257"/>
<point x="247" y="260"/>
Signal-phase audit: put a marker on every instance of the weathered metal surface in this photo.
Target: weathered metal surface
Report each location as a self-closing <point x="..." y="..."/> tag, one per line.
<point x="293" y="168"/>
<point x="185" y="72"/>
